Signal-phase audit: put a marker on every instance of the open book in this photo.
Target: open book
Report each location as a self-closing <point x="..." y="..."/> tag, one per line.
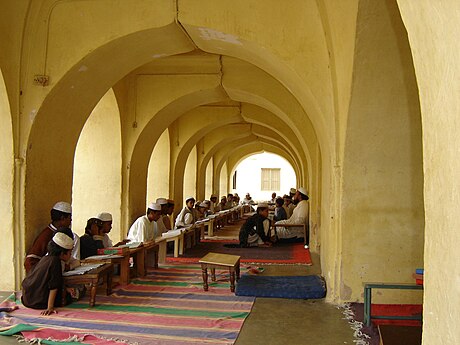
<point x="81" y="269"/>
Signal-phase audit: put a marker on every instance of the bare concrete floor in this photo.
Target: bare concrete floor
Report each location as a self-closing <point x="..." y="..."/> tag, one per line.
<point x="279" y="321"/>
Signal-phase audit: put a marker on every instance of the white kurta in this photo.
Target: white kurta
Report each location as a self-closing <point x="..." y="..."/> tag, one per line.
<point x="300" y="215"/>
<point x="76" y="247"/>
<point x="184" y="218"/>
<point x="161" y="228"/>
<point x="142" y="230"/>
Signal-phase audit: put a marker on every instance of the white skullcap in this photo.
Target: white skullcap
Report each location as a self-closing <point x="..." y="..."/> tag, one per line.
<point x="155" y="206"/>
<point x="62" y="240"/>
<point x="207" y="202"/>
<point x="292" y="190"/>
<point x="105" y="217"/>
<point x="302" y="191"/>
<point x="162" y="201"/>
<point x="63" y="207"/>
<point x="203" y="204"/>
<point x="189" y="198"/>
<point x="262" y="205"/>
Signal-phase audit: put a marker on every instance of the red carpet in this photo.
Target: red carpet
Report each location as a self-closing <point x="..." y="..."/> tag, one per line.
<point x="280" y="253"/>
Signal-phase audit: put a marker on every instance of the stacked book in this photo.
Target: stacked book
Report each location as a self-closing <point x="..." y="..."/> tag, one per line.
<point x="113" y="250"/>
<point x="418" y="276"/>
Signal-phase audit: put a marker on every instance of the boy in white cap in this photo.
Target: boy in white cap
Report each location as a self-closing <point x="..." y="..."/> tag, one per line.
<point x="169" y="212"/>
<point x="106" y="219"/>
<point x="61" y="217"/>
<point x="214" y="204"/>
<point x="144" y="228"/>
<point x="187" y="216"/>
<point x="300" y="215"/>
<point x="161" y="225"/>
<point x="42" y="288"/>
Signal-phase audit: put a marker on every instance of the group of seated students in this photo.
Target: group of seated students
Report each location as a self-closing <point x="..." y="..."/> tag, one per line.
<point x="57" y="249"/>
<point x="291" y="209"/>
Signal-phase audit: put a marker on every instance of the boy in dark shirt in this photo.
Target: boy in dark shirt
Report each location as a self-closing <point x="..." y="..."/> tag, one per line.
<point x="42" y="287"/>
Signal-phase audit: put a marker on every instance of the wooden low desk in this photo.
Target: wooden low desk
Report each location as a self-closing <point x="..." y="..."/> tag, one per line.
<point x="138" y="255"/>
<point x="149" y="247"/>
<point x="368" y="300"/>
<point x="92" y="278"/>
<point x="216" y="260"/>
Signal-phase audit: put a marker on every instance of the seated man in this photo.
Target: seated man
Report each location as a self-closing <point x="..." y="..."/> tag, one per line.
<point x="106" y="219"/>
<point x="288" y="205"/>
<point x="280" y="212"/>
<point x="300" y="215"/>
<point x="214" y="204"/>
<point x="188" y="214"/>
<point x="92" y="240"/>
<point x="61" y="217"/>
<point x="169" y="211"/>
<point x="143" y="229"/>
<point x="164" y="216"/>
<point x="256" y="230"/>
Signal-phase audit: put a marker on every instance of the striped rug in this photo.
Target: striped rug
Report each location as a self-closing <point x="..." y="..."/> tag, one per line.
<point x="168" y="306"/>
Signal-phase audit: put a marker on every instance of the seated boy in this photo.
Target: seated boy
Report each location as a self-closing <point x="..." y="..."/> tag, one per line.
<point x="42" y="287"/>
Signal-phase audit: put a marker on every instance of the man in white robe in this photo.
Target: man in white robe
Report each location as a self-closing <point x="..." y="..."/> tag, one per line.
<point x="300" y="215"/>
<point x="144" y="228"/>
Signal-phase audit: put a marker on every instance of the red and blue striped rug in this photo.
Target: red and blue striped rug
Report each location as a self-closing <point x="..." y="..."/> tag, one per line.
<point x="168" y="306"/>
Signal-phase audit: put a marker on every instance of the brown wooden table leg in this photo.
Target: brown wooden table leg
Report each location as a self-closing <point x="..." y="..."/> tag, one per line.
<point x="92" y="300"/>
<point x="237" y="270"/>
<point x="204" y="270"/>
<point x="232" y="279"/>
<point x="140" y="262"/>
<point x="124" y="271"/>
<point x="155" y="253"/>
<point x="213" y="274"/>
<point x="109" y="281"/>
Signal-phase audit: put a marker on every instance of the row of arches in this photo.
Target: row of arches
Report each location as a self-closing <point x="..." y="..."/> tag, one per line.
<point x="191" y="86"/>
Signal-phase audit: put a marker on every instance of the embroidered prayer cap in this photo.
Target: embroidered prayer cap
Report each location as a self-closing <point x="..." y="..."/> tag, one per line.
<point x="292" y="191"/>
<point x="105" y="216"/>
<point x="155" y="206"/>
<point x="189" y="198"/>
<point x="213" y="196"/>
<point x="262" y="205"/>
<point x="303" y="191"/>
<point x="63" y="207"/>
<point x="162" y="201"/>
<point x="62" y="240"/>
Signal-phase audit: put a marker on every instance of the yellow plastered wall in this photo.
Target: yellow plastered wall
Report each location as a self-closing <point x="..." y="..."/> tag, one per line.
<point x="434" y="33"/>
<point x="223" y="181"/>
<point x="189" y="186"/>
<point x="382" y="201"/>
<point x="97" y="168"/>
<point x="208" y="188"/>
<point x="158" y="174"/>
<point x="6" y="191"/>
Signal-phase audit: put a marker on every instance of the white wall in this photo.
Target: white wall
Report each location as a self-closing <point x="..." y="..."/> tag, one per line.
<point x="249" y="173"/>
